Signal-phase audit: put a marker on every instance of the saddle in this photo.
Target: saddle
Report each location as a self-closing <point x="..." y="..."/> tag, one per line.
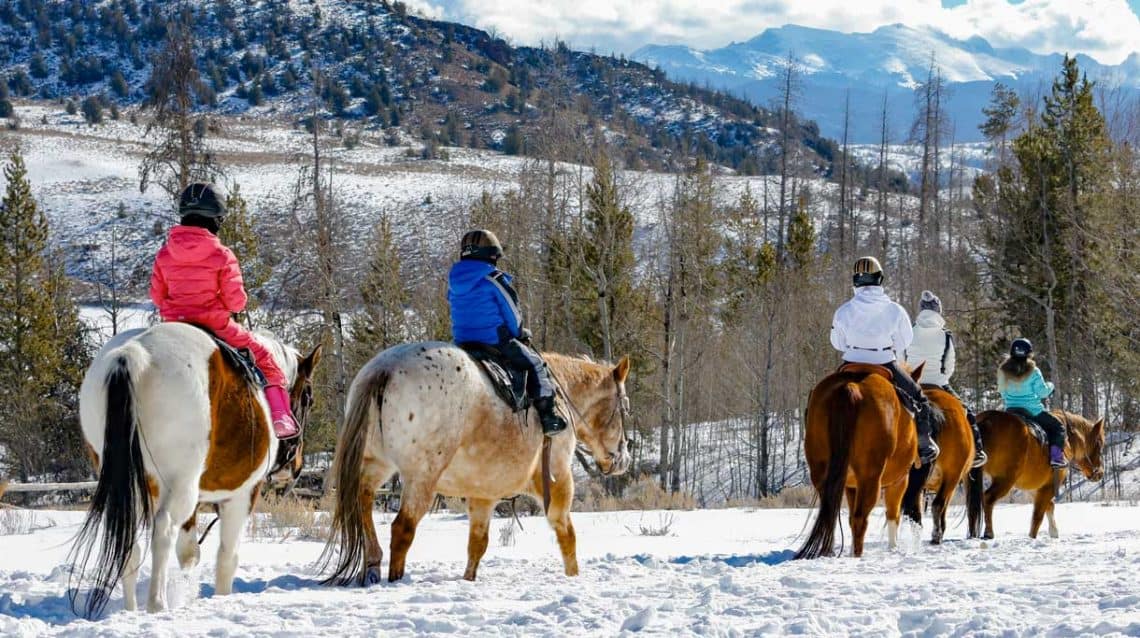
<point x="509" y="383"/>
<point x="241" y="361"/>
<point x="1035" y="430"/>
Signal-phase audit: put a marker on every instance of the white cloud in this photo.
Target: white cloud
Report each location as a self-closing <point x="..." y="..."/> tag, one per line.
<point x="1107" y="30"/>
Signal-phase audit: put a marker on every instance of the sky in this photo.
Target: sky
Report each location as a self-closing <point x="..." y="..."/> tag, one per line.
<point x="1107" y="30"/>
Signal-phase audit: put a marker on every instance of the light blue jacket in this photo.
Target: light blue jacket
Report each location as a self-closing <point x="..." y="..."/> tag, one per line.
<point x="1026" y="392"/>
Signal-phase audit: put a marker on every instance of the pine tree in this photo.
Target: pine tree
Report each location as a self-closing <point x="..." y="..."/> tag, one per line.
<point x="45" y="352"/>
<point x="239" y="234"/>
<point x="384" y="294"/>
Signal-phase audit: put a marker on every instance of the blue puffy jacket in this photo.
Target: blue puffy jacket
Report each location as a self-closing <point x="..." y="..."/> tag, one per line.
<point x="481" y="300"/>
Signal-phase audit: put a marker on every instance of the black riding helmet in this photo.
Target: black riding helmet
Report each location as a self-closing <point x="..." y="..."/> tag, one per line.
<point x="482" y="245"/>
<point x="1020" y="348"/>
<point x="201" y="206"/>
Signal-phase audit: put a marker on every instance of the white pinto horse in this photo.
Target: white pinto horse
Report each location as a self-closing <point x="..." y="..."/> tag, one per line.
<point x="170" y="424"/>
<point x="427" y="411"/>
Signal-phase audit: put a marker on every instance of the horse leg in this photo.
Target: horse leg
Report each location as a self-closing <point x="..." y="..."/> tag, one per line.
<point x="1053" y="533"/>
<point x="376" y="472"/>
<point x="232" y="515"/>
<point x="415" y="501"/>
<point x="867" y="496"/>
<point x="176" y="504"/>
<point x="479" y="513"/>
<point x="998" y="488"/>
<point x="941" y="502"/>
<point x="893" y="500"/>
<point x="186" y="548"/>
<point x="131" y="577"/>
<point x="1041" y="504"/>
<point x="561" y="497"/>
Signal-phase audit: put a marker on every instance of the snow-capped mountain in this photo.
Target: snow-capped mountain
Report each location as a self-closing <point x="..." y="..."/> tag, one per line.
<point x="893" y="58"/>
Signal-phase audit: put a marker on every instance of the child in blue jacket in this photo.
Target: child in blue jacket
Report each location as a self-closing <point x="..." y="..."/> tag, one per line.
<point x="485" y="311"/>
<point x="1023" y="386"/>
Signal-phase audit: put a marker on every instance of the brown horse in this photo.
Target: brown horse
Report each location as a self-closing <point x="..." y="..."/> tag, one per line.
<point x="427" y="411"/>
<point x="858" y="438"/>
<point x="1017" y="459"/>
<point x="953" y="463"/>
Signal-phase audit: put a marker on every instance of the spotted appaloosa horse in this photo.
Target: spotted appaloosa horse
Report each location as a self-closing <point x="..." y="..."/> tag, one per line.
<point x="169" y="424"/>
<point x="427" y="411"/>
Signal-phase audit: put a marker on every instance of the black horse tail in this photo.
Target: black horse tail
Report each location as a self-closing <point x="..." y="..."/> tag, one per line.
<point x="121" y="505"/>
<point x="842" y="409"/>
<point x="974" y="503"/>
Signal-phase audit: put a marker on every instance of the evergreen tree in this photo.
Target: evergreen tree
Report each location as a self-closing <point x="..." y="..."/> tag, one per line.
<point x="385" y="294"/>
<point x="238" y="232"/>
<point x="44" y="348"/>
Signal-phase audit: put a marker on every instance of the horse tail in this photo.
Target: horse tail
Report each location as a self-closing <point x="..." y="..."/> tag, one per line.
<point x="346" y="538"/>
<point x="974" y="489"/>
<point x="121" y="504"/>
<point x="842" y="407"/>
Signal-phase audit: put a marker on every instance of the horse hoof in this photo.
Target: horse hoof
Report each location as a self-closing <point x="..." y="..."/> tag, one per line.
<point x="372" y="576"/>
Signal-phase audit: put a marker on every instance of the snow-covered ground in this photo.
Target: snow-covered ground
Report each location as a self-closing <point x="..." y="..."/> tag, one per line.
<point x="717" y="572"/>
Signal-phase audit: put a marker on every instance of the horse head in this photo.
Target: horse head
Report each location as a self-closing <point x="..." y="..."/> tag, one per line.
<point x="1087" y="441"/>
<point x="600" y="424"/>
<point x="300" y="377"/>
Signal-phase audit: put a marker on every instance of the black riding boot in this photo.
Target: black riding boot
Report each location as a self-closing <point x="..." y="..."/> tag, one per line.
<point x="924" y="422"/>
<point x="980" y="456"/>
<point x="552" y="422"/>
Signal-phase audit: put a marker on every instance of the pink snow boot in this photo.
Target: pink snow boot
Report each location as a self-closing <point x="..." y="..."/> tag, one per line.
<point x="284" y="425"/>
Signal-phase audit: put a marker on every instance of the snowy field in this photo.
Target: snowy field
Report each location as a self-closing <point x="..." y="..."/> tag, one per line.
<point x="717" y="573"/>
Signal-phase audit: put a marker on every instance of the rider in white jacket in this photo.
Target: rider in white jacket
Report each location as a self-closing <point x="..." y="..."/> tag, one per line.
<point x="870" y="328"/>
<point x="934" y="344"/>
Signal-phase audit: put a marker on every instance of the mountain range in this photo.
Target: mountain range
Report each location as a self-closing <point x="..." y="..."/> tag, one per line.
<point x="891" y="60"/>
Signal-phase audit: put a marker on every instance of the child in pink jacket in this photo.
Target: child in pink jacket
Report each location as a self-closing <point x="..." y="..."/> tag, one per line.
<point x="198" y="280"/>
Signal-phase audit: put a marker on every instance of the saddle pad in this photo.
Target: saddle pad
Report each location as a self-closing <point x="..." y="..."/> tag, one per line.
<point x="865" y="368"/>
<point x="1035" y="430"/>
<point x="240" y="360"/>
<point x="509" y="384"/>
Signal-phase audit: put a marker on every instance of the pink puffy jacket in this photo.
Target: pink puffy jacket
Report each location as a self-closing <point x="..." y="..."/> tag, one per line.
<point x="196" y="279"/>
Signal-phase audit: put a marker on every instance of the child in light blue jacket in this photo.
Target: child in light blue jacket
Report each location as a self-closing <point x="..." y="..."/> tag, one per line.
<point x="1022" y="385"/>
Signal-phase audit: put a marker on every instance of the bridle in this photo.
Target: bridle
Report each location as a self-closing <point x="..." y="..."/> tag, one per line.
<point x="621" y="408"/>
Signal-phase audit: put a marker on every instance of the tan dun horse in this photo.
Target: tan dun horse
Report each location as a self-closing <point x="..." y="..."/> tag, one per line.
<point x="1017" y="459"/>
<point x="858" y="439"/>
<point x="427" y="411"/>
<point x="948" y="470"/>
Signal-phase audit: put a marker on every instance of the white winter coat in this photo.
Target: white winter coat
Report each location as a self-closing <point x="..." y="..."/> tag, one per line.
<point x="870" y="328"/>
<point x="930" y="345"/>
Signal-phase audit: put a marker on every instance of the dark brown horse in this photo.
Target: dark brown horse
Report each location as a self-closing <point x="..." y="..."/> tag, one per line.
<point x="858" y="439"/>
<point x="1017" y="459"/>
<point x="953" y="463"/>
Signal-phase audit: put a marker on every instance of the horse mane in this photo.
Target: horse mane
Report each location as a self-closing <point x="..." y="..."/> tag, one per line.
<point x="577" y="370"/>
<point x="287" y="356"/>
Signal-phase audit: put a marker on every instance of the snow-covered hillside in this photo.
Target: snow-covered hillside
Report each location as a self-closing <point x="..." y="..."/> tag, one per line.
<point x="715" y="573"/>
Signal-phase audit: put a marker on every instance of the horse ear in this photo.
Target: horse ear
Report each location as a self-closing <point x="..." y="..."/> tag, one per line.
<point x="621" y="370"/>
<point x="916" y="373"/>
<point x="305" y="368"/>
<point x="1098" y="426"/>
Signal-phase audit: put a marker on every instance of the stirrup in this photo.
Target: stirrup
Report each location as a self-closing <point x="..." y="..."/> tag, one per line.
<point x="980" y="458"/>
